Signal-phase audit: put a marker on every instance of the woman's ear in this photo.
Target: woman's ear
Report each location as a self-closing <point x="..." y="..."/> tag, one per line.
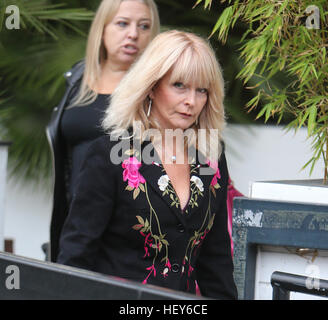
<point x="153" y="89"/>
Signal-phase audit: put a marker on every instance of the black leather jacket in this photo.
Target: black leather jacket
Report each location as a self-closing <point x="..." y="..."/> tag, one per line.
<point x="59" y="159"/>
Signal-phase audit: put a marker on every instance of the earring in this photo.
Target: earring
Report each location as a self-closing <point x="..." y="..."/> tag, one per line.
<point x="149" y="107"/>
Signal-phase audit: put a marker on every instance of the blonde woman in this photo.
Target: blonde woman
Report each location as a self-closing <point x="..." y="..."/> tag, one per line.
<point x="147" y="207"/>
<point x="120" y="32"/>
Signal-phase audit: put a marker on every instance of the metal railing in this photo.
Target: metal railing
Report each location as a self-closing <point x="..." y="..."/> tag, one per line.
<point x="284" y="283"/>
<point x="30" y="279"/>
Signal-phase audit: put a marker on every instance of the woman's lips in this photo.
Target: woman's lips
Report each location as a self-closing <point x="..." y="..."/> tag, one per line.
<point x="130" y="49"/>
<point x="185" y="115"/>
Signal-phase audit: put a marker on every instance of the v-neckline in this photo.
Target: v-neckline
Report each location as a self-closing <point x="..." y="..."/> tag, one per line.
<point x="189" y="190"/>
<point x="174" y="190"/>
<point x="198" y="183"/>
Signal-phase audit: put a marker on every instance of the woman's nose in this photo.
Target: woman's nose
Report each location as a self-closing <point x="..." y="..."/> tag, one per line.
<point x="190" y="98"/>
<point x="133" y="31"/>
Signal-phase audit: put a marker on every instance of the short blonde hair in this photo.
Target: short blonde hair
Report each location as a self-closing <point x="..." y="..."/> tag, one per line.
<point x="191" y="59"/>
<point x="95" y="50"/>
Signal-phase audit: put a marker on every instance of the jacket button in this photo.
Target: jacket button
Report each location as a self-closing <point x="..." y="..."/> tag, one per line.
<point x="181" y="228"/>
<point x="175" y="267"/>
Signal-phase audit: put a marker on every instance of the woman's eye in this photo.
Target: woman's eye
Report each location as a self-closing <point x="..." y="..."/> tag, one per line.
<point x="203" y="90"/>
<point x="122" y="23"/>
<point x="145" y="26"/>
<point x="178" y="85"/>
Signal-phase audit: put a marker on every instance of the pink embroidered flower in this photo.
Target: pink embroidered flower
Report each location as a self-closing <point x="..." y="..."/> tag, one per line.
<point x="217" y="174"/>
<point x="195" y="242"/>
<point x="183" y="266"/>
<point x="190" y="270"/>
<point x="204" y="235"/>
<point x="152" y="270"/>
<point x="168" y="264"/>
<point x="131" y="173"/>
<point x="148" y="243"/>
<point x="165" y="271"/>
<point x="216" y="177"/>
<point x="167" y="268"/>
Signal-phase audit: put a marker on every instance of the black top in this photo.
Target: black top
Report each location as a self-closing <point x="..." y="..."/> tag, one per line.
<point x="79" y="126"/>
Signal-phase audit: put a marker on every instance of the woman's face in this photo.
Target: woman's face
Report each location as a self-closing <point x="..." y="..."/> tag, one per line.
<point x="128" y="34"/>
<point x="177" y="105"/>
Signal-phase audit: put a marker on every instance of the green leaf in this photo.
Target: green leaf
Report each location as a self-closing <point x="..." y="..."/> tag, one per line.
<point x="324" y="55"/>
<point x="141" y="186"/>
<point x="164" y="241"/>
<point x="267" y="110"/>
<point x="223" y="24"/>
<point x="303" y="119"/>
<point x="323" y="118"/>
<point x="137" y="227"/>
<point x="312" y="119"/>
<point x="254" y="101"/>
<point x="276" y="28"/>
<point x="140" y="219"/>
<point x="136" y="193"/>
<point x="197" y="3"/>
<point x="314" y="71"/>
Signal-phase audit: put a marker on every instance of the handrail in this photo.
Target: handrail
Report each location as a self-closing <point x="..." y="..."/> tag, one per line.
<point x="283" y="283"/>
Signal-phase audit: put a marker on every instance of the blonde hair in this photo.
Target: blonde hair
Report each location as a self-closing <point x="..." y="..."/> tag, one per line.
<point x="191" y="59"/>
<point x="95" y="50"/>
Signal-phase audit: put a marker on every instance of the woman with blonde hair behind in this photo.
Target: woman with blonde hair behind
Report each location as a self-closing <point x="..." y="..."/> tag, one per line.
<point x="150" y="204"/>
<point x="119" y="33"/>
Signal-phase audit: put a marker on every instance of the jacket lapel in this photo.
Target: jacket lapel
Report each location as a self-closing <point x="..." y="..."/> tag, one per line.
<point x="201" y="176"/>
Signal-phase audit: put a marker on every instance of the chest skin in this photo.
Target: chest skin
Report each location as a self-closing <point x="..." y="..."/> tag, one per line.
<point x="179" y="175"/>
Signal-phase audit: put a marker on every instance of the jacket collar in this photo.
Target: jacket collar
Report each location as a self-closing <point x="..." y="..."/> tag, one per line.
<point x="201" y="175"/>
<point x="75" y="73"/>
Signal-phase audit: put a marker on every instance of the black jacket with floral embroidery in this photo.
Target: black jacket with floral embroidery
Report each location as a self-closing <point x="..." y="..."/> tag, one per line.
<point x="126" y="221"/>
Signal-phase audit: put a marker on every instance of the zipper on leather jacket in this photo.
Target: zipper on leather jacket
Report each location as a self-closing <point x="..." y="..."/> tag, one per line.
<point x="53" y="181"/>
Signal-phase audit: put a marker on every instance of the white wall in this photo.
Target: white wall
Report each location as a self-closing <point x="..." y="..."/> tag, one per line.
<point x="253" y="153"/>
<point x="27" y="217"/>
<point x="3" y="179"/>
<point x="256" y="153"/>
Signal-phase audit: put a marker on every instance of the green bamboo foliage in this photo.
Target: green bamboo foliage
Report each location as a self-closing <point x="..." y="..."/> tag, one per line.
<point x="279" y="41"/>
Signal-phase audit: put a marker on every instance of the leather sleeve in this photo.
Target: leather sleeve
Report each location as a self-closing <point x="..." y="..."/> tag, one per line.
<point x="91" y="208"/>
